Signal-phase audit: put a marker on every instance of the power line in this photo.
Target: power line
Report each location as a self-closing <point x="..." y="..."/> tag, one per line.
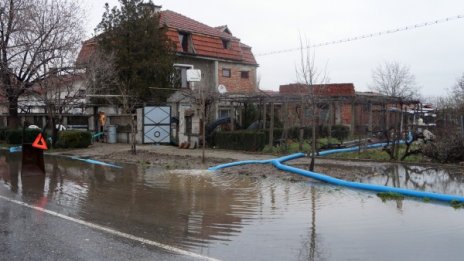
<point x="370" y="35"/>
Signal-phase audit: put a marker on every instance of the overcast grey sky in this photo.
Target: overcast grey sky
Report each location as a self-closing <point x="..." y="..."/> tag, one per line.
<point x="435" y="53"/>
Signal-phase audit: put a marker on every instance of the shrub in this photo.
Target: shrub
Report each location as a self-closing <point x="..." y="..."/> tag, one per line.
<point x="446" y="149"/>
<point x="240" y="140"/>
<point x="15" y="136"/>
<point x="3" y="134"/>
<point x="340" y="132"/>
<point x="74" y="139"/>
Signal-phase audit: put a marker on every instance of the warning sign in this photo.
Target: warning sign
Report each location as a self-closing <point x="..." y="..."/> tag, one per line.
<point x="40" y="143"/>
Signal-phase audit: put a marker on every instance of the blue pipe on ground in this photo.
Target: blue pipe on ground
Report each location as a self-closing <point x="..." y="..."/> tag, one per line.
<point x="243" y="162"/>
<point x="355" y="148"/>
<point x="331" y="180"/>
<point x="96" y="162"/>
<point x="91" y="161"/>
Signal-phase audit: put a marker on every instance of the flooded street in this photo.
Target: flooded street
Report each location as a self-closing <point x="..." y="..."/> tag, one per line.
<point x="240" y="217"/>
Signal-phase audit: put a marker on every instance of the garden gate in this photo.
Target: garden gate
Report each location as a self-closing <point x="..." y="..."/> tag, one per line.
<point x="156" y="124"/>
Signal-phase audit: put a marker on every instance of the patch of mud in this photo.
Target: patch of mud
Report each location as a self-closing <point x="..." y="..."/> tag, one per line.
<point x="185" y="164"/>
<point x="191" y="172"/>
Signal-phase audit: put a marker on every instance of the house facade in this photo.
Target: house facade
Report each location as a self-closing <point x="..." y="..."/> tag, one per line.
<point x="225" y="63"/>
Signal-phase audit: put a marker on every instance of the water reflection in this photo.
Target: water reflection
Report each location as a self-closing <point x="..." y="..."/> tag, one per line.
<point x="245" y="217"/>
<point x="432" y="179"/>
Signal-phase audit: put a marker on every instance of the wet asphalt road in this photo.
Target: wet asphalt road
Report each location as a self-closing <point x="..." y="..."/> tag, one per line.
<point x="29" y="234"/>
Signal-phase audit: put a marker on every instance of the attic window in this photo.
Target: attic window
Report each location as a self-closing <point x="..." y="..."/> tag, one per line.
<point x="226" y="43"/>
<point x="245" y="74"/>
<point x="185" y="40"/>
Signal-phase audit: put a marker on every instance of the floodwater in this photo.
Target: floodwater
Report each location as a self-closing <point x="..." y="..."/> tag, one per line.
<point x="233" y="217"/>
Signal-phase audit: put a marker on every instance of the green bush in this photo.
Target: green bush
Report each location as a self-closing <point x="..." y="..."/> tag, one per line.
<point x="3" y="134"/>
<point x="340" y="132"/>
<point x="74" y="139"/>
<point x="240" y="140"/>
<point x="294" y="132"/>
<point x="15" y="136"/>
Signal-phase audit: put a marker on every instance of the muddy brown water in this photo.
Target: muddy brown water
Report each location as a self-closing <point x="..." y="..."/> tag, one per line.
<point x="240" y="217"/>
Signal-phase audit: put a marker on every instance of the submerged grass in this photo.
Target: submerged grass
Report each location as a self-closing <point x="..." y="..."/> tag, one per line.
<point x="457" y="204"/>
<point x="390" y="196"/>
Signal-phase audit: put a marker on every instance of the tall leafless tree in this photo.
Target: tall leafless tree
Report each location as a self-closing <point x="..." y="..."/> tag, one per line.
<point x="59" y="94"/>
<point x="309" y="75"/>
<point x="36" y="36"/>
<point x="458" y="94"/>
<point x="394" y="79"/>
<point x="103" y="86"/>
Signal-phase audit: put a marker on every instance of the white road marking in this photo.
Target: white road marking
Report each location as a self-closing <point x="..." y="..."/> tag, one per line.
<point x="112" y="231"/>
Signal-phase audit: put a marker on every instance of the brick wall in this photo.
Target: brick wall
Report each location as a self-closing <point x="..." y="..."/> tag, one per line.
<point x="235" y="83"/>
<point x="346" y="113"/>
<point x="330" y="89"/>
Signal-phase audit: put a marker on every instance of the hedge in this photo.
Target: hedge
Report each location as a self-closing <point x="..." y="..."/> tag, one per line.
<point x="240" y="140"/>
<point x="446" y="149"/>
<point x="3" y="134"/>
<point x="15" y="136"/>
<point x="74" y="139"/>
<point x="338" y="131"/>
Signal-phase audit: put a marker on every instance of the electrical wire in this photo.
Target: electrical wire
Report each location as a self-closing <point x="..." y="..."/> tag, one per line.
<point x="369" y="35"/>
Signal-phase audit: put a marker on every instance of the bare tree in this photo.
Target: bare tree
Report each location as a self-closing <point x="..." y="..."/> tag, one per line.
<point x="394" y="79"/>
<point x="103" y="86"/>
<point x="36" y="36"/>
<point x="308" y="75"/>
<point x="59" y="94"/>
<point x="204" y="97"/>
<point x="457" y="93"/>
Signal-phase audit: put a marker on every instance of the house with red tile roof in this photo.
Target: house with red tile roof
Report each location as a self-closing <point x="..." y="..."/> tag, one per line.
<point x="225" y="63"/>
<point x="223" y="60"/>
<point x="222" y="57"/>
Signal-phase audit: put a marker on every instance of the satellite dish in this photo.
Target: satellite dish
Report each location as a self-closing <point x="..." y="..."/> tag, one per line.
<point x="222" y="89"/>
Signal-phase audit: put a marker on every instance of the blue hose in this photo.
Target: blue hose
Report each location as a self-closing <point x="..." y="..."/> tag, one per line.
<point x="91" y="161"/>
<point x="232" y="164"/>
<point x="331" y="180"/>
<point x="96" y="162"/>
<point x="15" y="149"/>
<point x="355" y="148"/>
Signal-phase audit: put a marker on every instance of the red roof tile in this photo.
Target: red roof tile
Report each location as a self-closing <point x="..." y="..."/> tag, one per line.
<point x="175" y="20"/>
<point x="207" y="41"/>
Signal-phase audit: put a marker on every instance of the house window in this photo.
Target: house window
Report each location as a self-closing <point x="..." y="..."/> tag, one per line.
<point x="180" y="77"/>
<point x="186" y="42"/>
<point x="245" y="74"/>
<point x="226" y="43"/>
<point x="226" y="72"/>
